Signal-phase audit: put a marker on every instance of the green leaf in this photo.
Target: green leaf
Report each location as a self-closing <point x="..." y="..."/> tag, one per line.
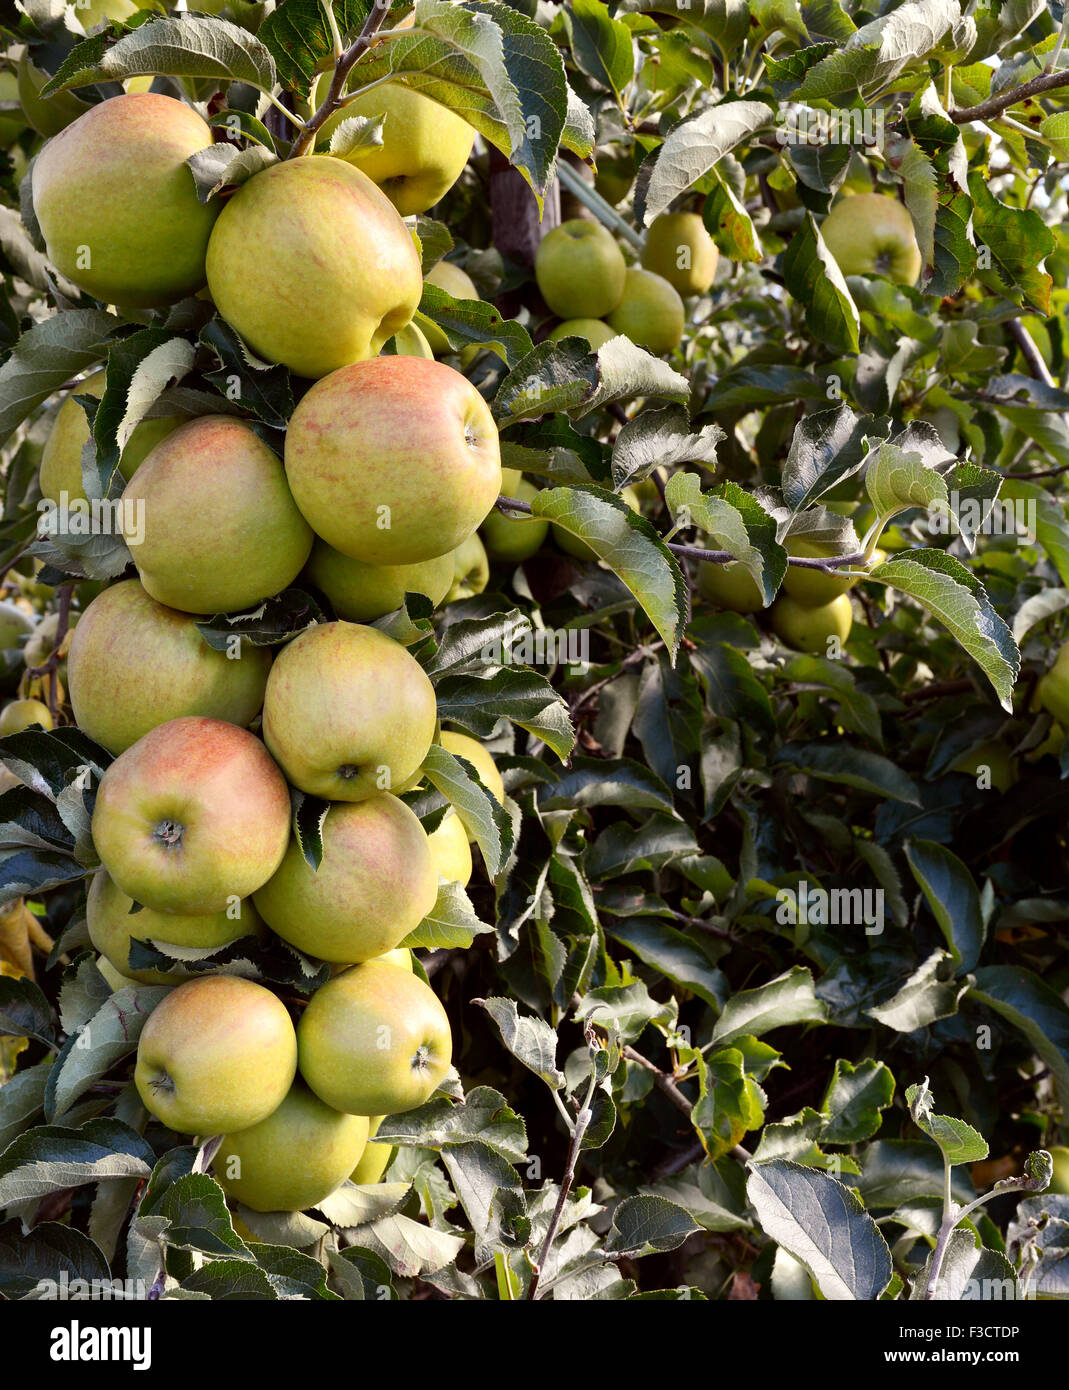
<point x="45" y="357"/>
<point x="49" y="1251"/>
<point x="467" y="322"/>
<point x="455" y="778"/>
<point x="828" y="447"/>
<point x="833" y="760"/>
<point x="648" y="1226"/>
<point x="511" y="692"/>
<point x="787" y="1000"/>
<point x="676" y="956"/>
<point x="923" y="998"/>
<point x="812" y="275"/>
<point x="569" y="377"/>
<point x="602" y="45"/>
<point x="959" y="1142"/>
<point x="530" y="1040"/>
<point x="452" y="922"/>
<point x="300" y="40"/>
<point x="659" y="439"/>
<point x="853" y="1102"/>
<point x="1030" y="1004"/>
<point x="730" y="1104"/>
<point x="952" y="897"/>
<point x="957" y="598"/>
<point x="691" y="149"/>
<point x="51" y="1157"/>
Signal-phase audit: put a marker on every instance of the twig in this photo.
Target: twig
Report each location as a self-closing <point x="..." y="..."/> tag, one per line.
<point x="661" y="1080"/>
<point x="936" y="690"/>
<point x="1030" y="352"/>
<point x="994" y="106"/>
<point x="346" y="63"/>
<point x="582" y="1120"/>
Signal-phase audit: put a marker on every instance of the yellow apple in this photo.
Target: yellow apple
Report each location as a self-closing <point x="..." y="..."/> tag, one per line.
<point x="593" y="330"/>
<point x="400" y="956"/>
<point x="424" y="147"/>
<point x="361" y="593"/>
<point x="117" y="204"/>
<point x="325" y="288"/>
<point x="348" y="712"/>
<point x="374" y="1040"/>
<point x="650" y="313"/>
<point x="1052" y="691"/>
<point x="20" y="714"/>
<point x="193" y="817"/>
<point x="730" y="586"/>
<point x="681" y="251"/>
<point x="456" y="282"/>
<point x="393" y="461"/>
<point x="514" y="537"/>
<point x="809" y="628"/>
<point x="134" y="664"/>
<point x="14" y="623"/>
<point x="451" y="849"/>
<point x="217" y="1054"/>
<point x="375" y="1159"/>
<point x="580" y="270"/>
<point x="113" y="924"/>
<point x="814" y="587"/>
<point x="294" y="1158"/>
<point x="217" y="548"/>
<point x="869" y="234"/>
<point x="471" y="569"/>
<point x="376" y="882"/>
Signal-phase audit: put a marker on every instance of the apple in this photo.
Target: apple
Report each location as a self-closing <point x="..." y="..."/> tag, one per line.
<point x="361" y="593"/>
<point x="348" y="712"/>
<point x="681" y="251"/>
<point x="456" y="282"/>
<point x="113" y="924"/>
<point x="424" y="147"/>
<point x="92" y="13"/>
<point x="1052" y="690"/>
<point x="869" y="234"/>
<point x="1059" y="1182"/>
<point x="593" y="330"/>
<point x="992" y="760"/>
<point x="580" y="270"/>
<point x="375" y="1159"/>
<point x="650" y="313"/>
<point x="809" y="628"/>
<point x="61" y="458"/>
<point x="814" y="587"/>
<point x="616" y="174"/>
<point x="217" y="1054"/>
<point x="572" y="545"/>
<point x="294" y="1158"/>
<point x="217" y="548"/>
<point x="117" y="204"/>
<point x="115" y="978"/>
<point x="325" y="288"/>
<point x="374" y="1040"/>
<point x="14" y="623"/>
<point x="20" y="714"/>
<point x="393" y="461"/>
<point x="376" y="882"/>
<point x="471" y="570"/>
<point x="1050" y="747"/>
<point x="411" y="341"/>
<point x="47" y="115"/>
<point x="730" y="586"/>
<point x="193" y="817"/>
<point x="451" y="849"/>
<point x="514" y="537"/>
<point x="134" y="663"/>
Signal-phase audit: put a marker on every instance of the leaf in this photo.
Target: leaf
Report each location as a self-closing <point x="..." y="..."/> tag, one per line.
<point x="838" y="761"/>
<point x="659" y="439"/>
<point x="1029" y="1004"/>
<point x="821" y="1223"/>
<point x="45" y="357"/>
<point x="675" y="955"/>
<point x="516" y="693"/>
<point x="602" y="46"/>
<point x="474" y="322"/>
<point x="647" y="1226"/>
<point x="787" y="1000"/>
<point x="812" y="275"/>
<point x="691" y="149"/>
<point x="828" y="447"/>
<point x="110" y="1035"/>
<point x="260" y="387"/>
<point x="734" y="521"/>
<point x="225" y="166"/>
<point x="190" y="46"/>
<point x="957" y="598"/>
<point x="300" y="40"/>
<point x="598" y="782"/>
<point x="49" y="1254"/>
<point x="923" y="998"/>
<point x="139" y="370"/>
<point x="854" y="1099"/>
<point x="952" y="897"/>
<point x="356" y="133"/>
<point x="455" y="779"/>
<point x="451" y="924"/>
<point x="629" y="545"/>
<point x="569" y="377"/>
<point x="50" y="1157"/>
<point x="896" y="480"/>
<point x="530" y="1040"/>
<point x="730" y="1104"/>
<point x="484" y="1116"/>
<point x="959" y="1142"/>
<point x="24" y="1010"/>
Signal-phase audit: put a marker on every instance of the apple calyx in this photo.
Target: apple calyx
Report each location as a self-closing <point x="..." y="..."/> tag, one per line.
<point x="421" y="1058"/>
<point x="163" y="1083"/>
<point x="169" y="833"/>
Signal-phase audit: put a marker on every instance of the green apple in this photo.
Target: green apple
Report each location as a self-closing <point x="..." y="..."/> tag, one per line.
<point x="471" y="569"/>
<point x="580" y="270"/>
<point x="193" y="817"/>
<point x="294" y="1158"/>
<point x="113" y="924"/>
<point x="400" y="956"/>
<point x="869" y="234"/>
<point x="411" y="341"/>
<point x="730" y="587"/>
<point x="595" y="331"/>
<point x="513" y="538"/>
<point x="47" y="115"/>
<point x="374" y="1040"/>
<point x="1059" y="1183"/>
<point x="374" y="885"/>
<point x="572" y="545"/>
<point x="1052" y="691"/>
<point x="990" y="760"/>
<point x="361" y="593"/>
<point x="809" y="629"/>
<point x="393" y="461"/>
<point x="115" y="978"/>
<point x="681" y="251"/>
<point x="216" y="1054"/>
<point x="424" y="146"/>
<point x="221" y="548"/>
<point x="1050" y="747"/>
<point x="117" y="204"/>
<point x="650" y="313"/>
<point x="455" y="282"/>
<point x="348" y="712"/>
<point x="134" y="663"/>
<point x="20" y="714"/>
<point x="93" y="13"/>
<point x="814" y="587"/>
<point x="451" y="849"/>
<point x="323" y="289"/>
<point x="14" y="623"/>
<point x="614" y="178"/>
<point x="375" y="1159"/>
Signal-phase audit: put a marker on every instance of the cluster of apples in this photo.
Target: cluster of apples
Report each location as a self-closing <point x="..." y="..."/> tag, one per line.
<point x="389" y="465"/>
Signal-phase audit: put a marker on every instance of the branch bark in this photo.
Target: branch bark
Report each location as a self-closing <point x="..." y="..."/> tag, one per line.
<point x="352" y="55"/>
<point x="994" y="106"/>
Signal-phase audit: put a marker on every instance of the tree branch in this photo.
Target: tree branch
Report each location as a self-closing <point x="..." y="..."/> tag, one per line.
<point x="994" y="106"/>
<point x="352" y="55"/>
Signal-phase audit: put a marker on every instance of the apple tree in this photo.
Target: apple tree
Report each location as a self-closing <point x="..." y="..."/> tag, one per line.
<point x="567" y="496"/>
